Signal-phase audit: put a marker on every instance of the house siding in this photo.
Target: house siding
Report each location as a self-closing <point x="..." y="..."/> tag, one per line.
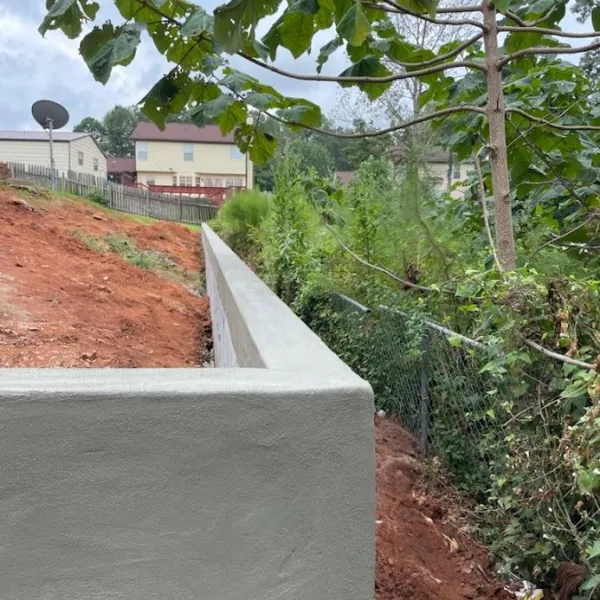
<point x="35" y="153"/>
<point x="90" y="152"/>
<point x="211" y="161"/>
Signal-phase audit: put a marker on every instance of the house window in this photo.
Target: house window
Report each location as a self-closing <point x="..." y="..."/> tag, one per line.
<point x="198" y="180"/>
<point x="95" y="164"/>
<point x="456" y="170"/>
<point x="150" y="181"/>
<point x="142" y="150"/>
<point x="80" y="157"/>
<point x="238" y="182"/>
<point x="235" y="153"/>
<point x="174" y="179"/>
<point x="209" y="183"/>
<point x="218" y="183"/>
<point x="186" y="180"/>
<point x="188" y="152"/>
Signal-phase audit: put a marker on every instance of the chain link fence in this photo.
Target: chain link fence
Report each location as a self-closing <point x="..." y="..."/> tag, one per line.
<point x="499" y="436"/>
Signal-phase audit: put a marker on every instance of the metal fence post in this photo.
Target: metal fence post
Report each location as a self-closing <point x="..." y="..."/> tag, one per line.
<point x="424" y="396"/>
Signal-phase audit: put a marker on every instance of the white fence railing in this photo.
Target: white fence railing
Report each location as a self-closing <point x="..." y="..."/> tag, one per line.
<point x="168" y="207"/>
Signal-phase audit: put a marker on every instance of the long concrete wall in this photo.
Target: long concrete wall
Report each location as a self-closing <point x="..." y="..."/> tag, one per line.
<point x="224" y="484"/>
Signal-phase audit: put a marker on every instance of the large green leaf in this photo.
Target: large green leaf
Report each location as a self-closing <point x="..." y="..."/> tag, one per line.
<point x="65" y="15"/>
<point x="236" y="16"/>
<point x="302" y="112"/>
<point x="90" y="8"/>
<point x="237" y="81"/>
<point x="369" y="66"/>
<point x="354" y="26"/>
<point x="197" y="22"/>
<point x="420" y="6"/>
<point x="169" y="96"/>
<point x="225" y="111"/>
<point x="118" y="49"/>
<point x="502" y="5"/>
<point x="296" y="31"/>
<point x="326" y="51"/>
<point x="596" y="18"/>
<point x="262" y="100"/>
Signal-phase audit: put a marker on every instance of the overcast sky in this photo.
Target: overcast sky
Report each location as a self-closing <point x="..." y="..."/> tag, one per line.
<point x="32" y="67"/>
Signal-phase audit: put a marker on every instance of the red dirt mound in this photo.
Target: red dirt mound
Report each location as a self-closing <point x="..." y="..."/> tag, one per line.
<point x="64" y="305"/>
<point x="421" y="554"/>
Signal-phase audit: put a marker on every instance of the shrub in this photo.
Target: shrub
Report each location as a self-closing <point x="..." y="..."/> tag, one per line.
<point x="240" y="217"/>
<point x="99" y="196"/>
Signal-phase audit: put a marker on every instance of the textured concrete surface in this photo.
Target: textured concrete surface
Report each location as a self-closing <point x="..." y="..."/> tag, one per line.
<point x="254" y="483"/>
<point x="180" y="484"/>
<point x="263" y="330"/>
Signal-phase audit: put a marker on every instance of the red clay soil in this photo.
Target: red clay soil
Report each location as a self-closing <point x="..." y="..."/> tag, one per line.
<point x="64" y="305"/>
<point x="421" y="552"/>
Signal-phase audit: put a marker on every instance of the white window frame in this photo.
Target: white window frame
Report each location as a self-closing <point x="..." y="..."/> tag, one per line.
<point x="150" y="181"/>
<point x="198" y="180"/>
<point x="235" y="153"/>
<point x="218" y="182"/>
<point x="96" y="164"/>
<point x="174" y="180"/>
<point x="80" y="158"/>
<point x="456" y="170"/>
<point x="142" y="151"/>
<point x="188" y="152"/>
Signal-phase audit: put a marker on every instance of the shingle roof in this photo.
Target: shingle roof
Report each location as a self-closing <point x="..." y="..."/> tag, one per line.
<point x="41" y="136"/>
<point x="120" y="165"/>
<point x="181" y="132"/>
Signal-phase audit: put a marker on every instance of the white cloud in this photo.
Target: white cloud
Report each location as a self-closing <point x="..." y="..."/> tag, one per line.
<point x="32" y="67"/>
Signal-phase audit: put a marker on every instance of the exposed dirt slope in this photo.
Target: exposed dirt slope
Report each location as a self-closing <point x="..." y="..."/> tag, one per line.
<point x="63" y="304"/>
<point x="421" y="552"/>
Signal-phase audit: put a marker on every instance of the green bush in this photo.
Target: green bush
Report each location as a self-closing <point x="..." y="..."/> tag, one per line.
<point x="240" y="217"/>
<point x="99" y="196"/>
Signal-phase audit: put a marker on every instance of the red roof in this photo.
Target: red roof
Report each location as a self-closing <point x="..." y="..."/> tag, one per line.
<point x="181" y="132"/>
<point x="120" y="165"/>
<point x="345" y="176"/>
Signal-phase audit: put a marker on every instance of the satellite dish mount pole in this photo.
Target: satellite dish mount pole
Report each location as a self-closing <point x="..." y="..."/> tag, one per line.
<point x="49" y="124"/>
<point x="50" y="116"/>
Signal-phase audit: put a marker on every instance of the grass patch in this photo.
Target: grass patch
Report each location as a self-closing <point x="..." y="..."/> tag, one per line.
<point x="144" y="259"/>
<point x="92" y="243"/>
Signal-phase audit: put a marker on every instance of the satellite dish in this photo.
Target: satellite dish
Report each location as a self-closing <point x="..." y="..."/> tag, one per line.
<point x="50" y="115"/>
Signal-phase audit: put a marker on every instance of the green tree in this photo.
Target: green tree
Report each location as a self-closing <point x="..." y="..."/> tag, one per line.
<point x="113" y="133"/>
<point x="510" y="36"/>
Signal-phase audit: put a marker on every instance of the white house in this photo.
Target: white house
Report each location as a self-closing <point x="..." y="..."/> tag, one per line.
<point x="77" y="152"/>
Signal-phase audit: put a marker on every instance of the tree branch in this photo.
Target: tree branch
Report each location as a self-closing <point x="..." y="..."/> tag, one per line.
<point x="545" y="50"/>
<point x="522" y="23"/>
<point x="564" y="235"/>
<point x="363" y="79"/>
<point x="561" y="357"/>
<point x="416" y="121"/>
<point x="366" y="263"/>
<point x="441" y="57"/>
<point x="526" y="115"/>
<point x="546" y="31"/>
<point x="486" y="215"/>
<point x="457" y="22"/>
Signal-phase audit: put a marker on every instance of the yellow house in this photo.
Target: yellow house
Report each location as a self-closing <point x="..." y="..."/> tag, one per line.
<point x="77" y="152"/>
<point x="184" y="157"/>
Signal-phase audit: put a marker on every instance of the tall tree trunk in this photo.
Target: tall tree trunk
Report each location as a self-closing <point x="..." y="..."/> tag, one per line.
<point x="505" y="240"/>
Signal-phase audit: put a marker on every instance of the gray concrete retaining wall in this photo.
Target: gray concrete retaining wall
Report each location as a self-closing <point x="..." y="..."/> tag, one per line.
<point x="217" y="484"/>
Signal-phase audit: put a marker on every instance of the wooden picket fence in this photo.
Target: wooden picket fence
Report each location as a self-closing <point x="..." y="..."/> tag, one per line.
<point x="138" y="201"/>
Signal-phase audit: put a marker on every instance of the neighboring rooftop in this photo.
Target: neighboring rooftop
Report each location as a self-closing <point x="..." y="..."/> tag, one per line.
<point x="181" y="132"/>
<point x="41" y="136"/>
<point x="120" y="165"/>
